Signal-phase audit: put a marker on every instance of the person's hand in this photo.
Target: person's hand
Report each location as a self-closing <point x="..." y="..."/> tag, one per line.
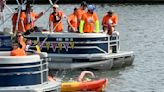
<point x="104" y="25"/>
<point x="75" y="30"/>
<point x="95" y="31"/>
<point x="106" y="31"/>
<point x="24" y="30"/>
<point x="110" y="25"/>
<point x="114" y="25"/>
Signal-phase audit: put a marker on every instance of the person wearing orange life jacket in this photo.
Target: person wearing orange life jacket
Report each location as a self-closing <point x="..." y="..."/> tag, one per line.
<point x="88" y="20"/>
<point x="81" y="10"/>
<point x="55" y="19"/>
<point x="20" y="25"/>
<point x="31" y="17"/>
<point x="110" y="20"/>
<point x="17" y="51"/>
<point x="72" y="21"/>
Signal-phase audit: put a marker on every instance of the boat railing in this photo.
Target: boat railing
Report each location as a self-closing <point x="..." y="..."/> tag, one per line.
<point x="114" y="45"/>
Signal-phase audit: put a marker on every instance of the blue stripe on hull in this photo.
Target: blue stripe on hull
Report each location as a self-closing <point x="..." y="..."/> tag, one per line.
<point x="24" y="64"/>
<point x="23" y="74"/>
<point x="5" y="43"/>
<point x="20" y="80"/>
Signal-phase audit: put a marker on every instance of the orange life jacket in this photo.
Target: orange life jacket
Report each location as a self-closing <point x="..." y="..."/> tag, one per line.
<point x="14" y="20"/>
<point x="29" y="20"/>
<point x="18" y="52"/>
<point x="89" y="21"/>
<point x="80" y="12"/>
<point x="56" y="19"/>
<point x="73" y="20"/>
<point x="106" y="18"/>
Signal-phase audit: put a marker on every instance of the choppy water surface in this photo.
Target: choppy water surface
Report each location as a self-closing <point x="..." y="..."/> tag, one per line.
<point x="141" y="30"/>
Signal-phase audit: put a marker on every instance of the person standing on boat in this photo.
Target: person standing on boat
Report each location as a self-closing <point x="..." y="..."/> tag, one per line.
<point x="73" y="21"/>
<point x="31" y="17"/>
<point x="81" y="10"/>
<point x="55" y="19"/>
<point x="110" y="20"/>
<point x="21" y="27"/>
<point x="17" y="51"/>
<point x="88" y="20"/>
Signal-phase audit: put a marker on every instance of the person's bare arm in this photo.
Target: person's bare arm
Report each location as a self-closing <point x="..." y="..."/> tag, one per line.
<point x="80" y="78"/>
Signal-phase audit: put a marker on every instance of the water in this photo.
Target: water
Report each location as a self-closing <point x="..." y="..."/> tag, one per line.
<point x="141" y="30"/>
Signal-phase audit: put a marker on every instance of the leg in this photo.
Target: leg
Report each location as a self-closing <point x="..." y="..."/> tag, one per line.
<point x="110" y="29"/>
<point x="105" y="29"/>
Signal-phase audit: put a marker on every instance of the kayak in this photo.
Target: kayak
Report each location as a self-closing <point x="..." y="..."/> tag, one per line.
<point x="96" y="85"/>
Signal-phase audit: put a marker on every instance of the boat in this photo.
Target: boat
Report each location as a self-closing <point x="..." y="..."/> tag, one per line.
<point x="94" y="86"/>
<point x="76" y="51"/>
<point x="26" y="73"/>
<point x="88" y="50"/>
